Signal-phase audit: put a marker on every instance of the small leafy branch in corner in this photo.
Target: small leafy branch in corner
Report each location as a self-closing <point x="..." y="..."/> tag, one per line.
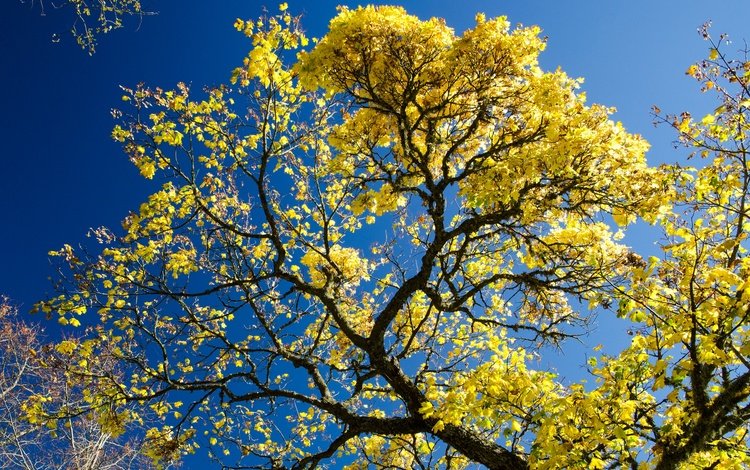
<point x="94" y="17"/>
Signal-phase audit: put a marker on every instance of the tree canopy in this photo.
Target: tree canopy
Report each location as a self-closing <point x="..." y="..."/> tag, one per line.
<point x="362" y="251"/>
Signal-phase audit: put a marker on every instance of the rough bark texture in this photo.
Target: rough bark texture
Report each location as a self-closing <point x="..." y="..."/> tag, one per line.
<point x="480" y="450"/>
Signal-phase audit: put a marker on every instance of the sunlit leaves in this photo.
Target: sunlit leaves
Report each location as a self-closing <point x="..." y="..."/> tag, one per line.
<point x="363" y="250"/>
<point x="692" y="303"/>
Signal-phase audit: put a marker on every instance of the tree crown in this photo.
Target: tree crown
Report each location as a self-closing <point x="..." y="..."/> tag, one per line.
<point x="360" y="250"/>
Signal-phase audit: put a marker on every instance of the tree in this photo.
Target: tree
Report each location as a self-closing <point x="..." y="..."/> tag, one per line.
<point x="94" y="18"/>
<point x="33" y="379"/>
<point x="693" y="304"/>
<point x="364" y="253"/>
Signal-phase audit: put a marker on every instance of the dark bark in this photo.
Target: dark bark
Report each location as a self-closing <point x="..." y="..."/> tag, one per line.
<point x="708" y="427"/>
<point x="481" y="450"/>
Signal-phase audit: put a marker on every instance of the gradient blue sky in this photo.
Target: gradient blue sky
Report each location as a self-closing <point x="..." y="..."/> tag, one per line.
<point x="63" y="174"/>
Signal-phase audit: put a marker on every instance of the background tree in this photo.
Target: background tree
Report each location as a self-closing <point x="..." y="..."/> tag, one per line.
<point x="364" y="254"/>
<point x="692" y="305"/>
<point x="94" y="17"/>
<point x="33" y="379"/>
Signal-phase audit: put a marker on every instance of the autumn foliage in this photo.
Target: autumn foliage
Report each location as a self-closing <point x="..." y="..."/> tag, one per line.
<point x="363" y="249"/>
<point x="45" y="422"/>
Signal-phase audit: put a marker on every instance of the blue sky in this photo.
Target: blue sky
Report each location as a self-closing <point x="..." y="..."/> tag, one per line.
<point x="63" y="174"/>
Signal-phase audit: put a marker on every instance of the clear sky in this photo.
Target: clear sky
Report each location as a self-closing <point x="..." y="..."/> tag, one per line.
<point x="63" y="174"/>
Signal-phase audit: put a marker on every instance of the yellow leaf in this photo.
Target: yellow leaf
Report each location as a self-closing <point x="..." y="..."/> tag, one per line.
<point x="66" y="347"/>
